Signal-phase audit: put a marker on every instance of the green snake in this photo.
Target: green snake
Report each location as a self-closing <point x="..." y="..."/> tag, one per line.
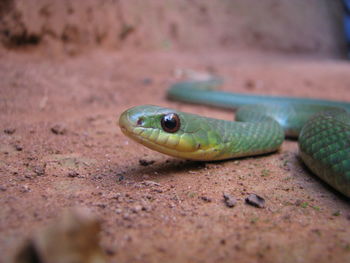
<point x="262" y="122"/>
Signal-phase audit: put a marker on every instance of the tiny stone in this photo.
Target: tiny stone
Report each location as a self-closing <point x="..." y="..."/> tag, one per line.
<point x="58" y="129"/>
<point x="118" y="211"/>
<point x="250" y="84"/>
<point x="136" y="209"/>
<point x="229" y="200"/>
<point x="147" y="81"/>
<point x="110" y="251"/>
<point x="73" y="174"/>
<point x="183" y="213"/>
<point x="126" y="216"/>
<point x="144" y="162"/>
<point x="9" y="130"/>
<point x="298" y="202"/>
<point x="206" y="199"/>
<point x="3" y="188"/>
<point x="39" y="170"/>
<point x="101" y="205"/>
<point x="255" y="200"/>
<point x="25" y="189"/>
<point x="116" y="196"/>
<point x="121" y="178"/>
<point x="146" y="208"/>
<point x="18" y="147"/>
<point x="150" y="183"/>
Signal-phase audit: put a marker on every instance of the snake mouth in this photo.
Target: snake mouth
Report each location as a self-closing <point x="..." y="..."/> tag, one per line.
<point x="129" y="126"/>
<point x="123" y="129"/>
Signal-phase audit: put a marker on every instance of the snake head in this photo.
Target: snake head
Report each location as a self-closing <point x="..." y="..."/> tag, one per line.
<point x="169" y="131"/>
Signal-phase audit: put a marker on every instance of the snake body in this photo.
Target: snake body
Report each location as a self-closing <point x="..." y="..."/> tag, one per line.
<point x="321" y="126"/>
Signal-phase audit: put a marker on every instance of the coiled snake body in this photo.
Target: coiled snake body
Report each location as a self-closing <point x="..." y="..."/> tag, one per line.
<point x="322" y="128"/>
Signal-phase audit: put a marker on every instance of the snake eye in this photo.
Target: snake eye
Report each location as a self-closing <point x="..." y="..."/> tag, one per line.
<point x="170" y="122"/>
<point x="140" y="121"/>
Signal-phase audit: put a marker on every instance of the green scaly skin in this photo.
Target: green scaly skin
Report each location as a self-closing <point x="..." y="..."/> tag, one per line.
<point x="323" y="129"/>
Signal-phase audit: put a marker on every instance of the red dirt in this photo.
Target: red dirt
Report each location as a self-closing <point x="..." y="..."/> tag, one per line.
<point x="60" y="147"/>
<point x="68" y="69"/>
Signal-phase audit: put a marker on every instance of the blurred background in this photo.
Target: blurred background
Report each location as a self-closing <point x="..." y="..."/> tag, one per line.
<point x="313" y="27"/>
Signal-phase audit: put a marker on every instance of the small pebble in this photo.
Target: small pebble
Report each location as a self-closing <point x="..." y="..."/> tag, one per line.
<point x="9" y="131"/>
<point x="3" y="188"/>
<point x="39" y="170"/>
<point x="110" y="251"/>
<point x="146" y="208"/>
<point x="118" y="211"/>
<point x="101" y="205"/>
<point x="73" y="174"/>
<point x="150" y="183"/>
<point x="255" y="200"/>
<point x="18" y="147"/>
<point x="121" y="178"/>
<point x="58" y="129"/>
<point x="298" y="202"/>
<point x="28" y="176"/>
<point x="250" y="84"/>
<point x="25" y="189"/>
<point x="136" y="209"/>
<point x="147" y="81"/>
<point x="206" y="199"/>
<point x="117" y="196"/>
<point x="229" y="200"/>
<point x="144" y="162"/>
<point x="126" y="216"/>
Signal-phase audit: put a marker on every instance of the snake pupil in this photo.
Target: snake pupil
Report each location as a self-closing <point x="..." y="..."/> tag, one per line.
<point x="170" y="122"/>
<point x="140" y="121"/>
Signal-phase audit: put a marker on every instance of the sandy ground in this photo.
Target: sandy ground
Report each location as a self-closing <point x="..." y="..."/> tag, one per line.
<point x="60" y="147"/>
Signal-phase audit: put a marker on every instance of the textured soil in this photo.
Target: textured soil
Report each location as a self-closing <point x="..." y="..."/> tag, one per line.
<point x="60" y="147"/>
<point x="72" y="27"/>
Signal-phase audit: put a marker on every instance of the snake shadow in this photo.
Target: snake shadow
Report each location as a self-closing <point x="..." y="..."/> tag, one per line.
<point x="161" y="170"/>
<point x="324" y="185"/>
<point x="173" y="166"/>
